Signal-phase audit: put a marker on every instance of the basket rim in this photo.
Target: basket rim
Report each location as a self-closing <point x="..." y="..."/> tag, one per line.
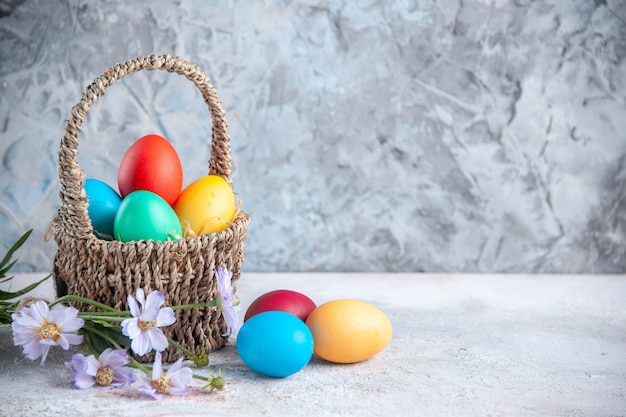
<point x="237" y="226"/>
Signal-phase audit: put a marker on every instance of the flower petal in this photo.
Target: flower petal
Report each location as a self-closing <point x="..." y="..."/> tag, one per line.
<point x="123" y="377"/>
<point x="44" y="354"/>
<point x="166" y="317"/>
<point x="39" y="311"/>
<point x="80" y="380"/>
<point x="231" y="318"/>
<point x="65" y="340"/>
<point x="155" y="300"/>
<point x="132" y="306"/>
<point x="181" y="378"/>
<point x="153" y="304"/>
<point x="229" y="310"/>
<point x="158" y="341"/>
<point x="114" y="358"/>
<point x="91" y="365"/>
<point x="26" y="321"/>
<point x="105" y="356"/>
<point x="175" y="366"/>
<point x="61" y="341"/>
<point x="34" y="349"/>
<point x="77" y="361"/>
<point x="47" y="342"/>
<point x="223" y="277"/>
<point x="130" y="328"/>
<point x="67" y="319"/>
<point x="56" y="314"/>
<point x="157" y="366"/>
<point x="141" y="344"/>
<point x="146" y="387"/>
<point x="141" y="297"/>
<point x="24" y="334"/>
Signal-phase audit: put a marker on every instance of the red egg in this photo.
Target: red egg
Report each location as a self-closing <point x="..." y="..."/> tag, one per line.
<point x="282" y="300"/>
<point x="151" y="164"/>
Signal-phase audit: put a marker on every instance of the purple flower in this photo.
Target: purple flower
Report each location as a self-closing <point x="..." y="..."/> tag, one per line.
<point x="37" y="328"/>
<point x="173" y="382"/>
<point x="229" y="304"/>
<point x="143" y="328"/>
<point x="109" y="369"/>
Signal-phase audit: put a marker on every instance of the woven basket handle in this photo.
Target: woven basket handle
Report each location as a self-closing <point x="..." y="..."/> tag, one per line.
<point x="73" y="210"/>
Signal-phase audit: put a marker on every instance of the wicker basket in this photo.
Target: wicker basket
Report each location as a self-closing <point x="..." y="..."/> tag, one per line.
<point x="107" y="271"/>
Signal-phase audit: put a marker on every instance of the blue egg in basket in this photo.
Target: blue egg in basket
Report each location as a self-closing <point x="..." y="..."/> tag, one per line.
<point x="104" y="202"/>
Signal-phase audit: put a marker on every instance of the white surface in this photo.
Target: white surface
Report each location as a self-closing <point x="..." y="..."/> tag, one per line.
<point x="463" y="345"/>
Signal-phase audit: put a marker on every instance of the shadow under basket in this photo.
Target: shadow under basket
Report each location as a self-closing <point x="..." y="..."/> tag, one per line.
<point x="183" y="270"/>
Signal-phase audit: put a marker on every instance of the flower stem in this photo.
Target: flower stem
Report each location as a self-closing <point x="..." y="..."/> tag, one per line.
<point x="212" y="303"/>
<point x="104" y="314"/>
<point x="96" y="316"/>
<point x="93" y="329"/>
<point x="134" y="363"/>
<point x="180" y="347"/>
<point x="148" y="370"/>
<point x="72" y="297"/>
<point x="202" y="378"/>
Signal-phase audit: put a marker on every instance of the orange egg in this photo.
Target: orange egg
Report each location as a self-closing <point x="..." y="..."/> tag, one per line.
<point x="348" y="331"/>
<point x="206" y="205"/>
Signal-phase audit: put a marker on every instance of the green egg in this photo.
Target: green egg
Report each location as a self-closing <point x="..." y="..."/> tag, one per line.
<point x="143" y="215"/>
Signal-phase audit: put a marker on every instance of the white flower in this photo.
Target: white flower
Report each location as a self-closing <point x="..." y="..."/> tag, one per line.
<point x="37" y="328"/>
<point x="109" y="369"/>
<point x="173" y="382"/>
<point x="143" y="328"/>
<point x="229" y="304"/>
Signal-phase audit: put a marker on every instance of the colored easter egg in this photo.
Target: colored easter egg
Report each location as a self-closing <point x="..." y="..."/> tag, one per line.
<point x="348" y="331"/>
<point x="151" y="164"/>
<point x="206" y="205"/>
<point x="275" y="343"/>
<point x="143" y="215"/>
<point x="104" y="202"/>
<point x="282" y="300"/>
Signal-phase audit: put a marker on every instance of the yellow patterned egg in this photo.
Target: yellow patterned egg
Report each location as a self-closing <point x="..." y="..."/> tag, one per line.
<point x="348" y="331"/>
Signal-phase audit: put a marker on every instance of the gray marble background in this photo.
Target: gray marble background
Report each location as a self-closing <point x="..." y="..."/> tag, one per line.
<point x="466" y="136"/>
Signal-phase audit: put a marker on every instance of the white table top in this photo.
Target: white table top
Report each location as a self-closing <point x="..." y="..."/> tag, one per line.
<point x="463" y="345"/>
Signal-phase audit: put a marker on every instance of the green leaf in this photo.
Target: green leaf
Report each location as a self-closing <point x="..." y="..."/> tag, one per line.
<point x="102" y="335"/>
<point x="6" y="295"/>
<point x="5" y="313"/>
<point x="119" y="338"/>
<point x="5" y="318"/>
<point x="95" y="342"/>
<point x="3" y="271"/>
<point x="4" y="264"/>
<point x="113" y="327"/>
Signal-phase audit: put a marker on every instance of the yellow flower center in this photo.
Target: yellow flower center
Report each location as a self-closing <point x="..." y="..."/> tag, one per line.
<point x="104" y="376"/>
<point x="147" y="325"/>
<point x="162" y="384"/>
<point x="49" y="331"/>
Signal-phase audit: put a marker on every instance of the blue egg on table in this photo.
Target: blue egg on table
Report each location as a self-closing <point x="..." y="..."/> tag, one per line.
<point x="275" y="343"/>
<point x="104" y="202"/>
